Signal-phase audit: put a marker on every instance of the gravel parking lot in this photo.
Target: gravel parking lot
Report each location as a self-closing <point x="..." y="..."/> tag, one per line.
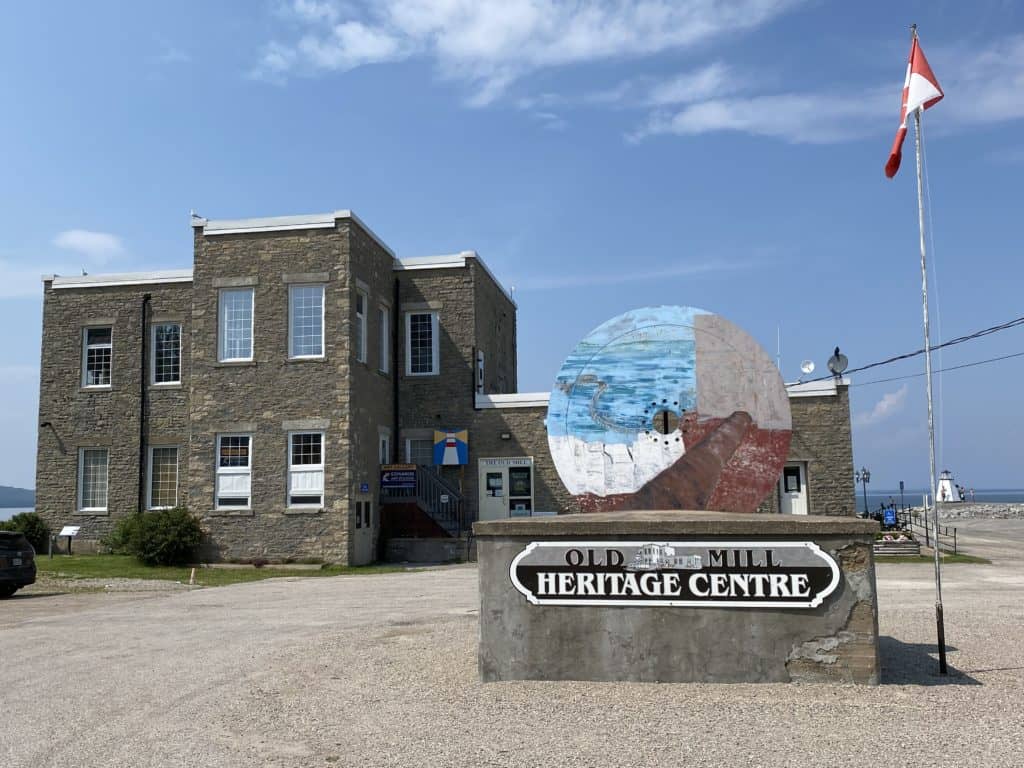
<point x="380" y="670"/>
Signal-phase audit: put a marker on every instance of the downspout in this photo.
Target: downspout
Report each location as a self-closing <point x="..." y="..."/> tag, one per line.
<point x="143" y="410"/>
<point x="395" y="359"/>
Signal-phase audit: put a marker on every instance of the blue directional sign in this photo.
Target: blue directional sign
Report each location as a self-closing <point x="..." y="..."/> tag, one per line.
<point x="398" y="477"/>
<point x="889" y="517"/>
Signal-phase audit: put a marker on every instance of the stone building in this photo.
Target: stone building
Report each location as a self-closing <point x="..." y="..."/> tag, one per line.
<point x="267" y="387"/>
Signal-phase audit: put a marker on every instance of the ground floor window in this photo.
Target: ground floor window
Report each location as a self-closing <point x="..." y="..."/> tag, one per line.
<point x="163" y="477"/>
<point x="234" y="471"/>
<point x="306" y="469"/>
<point x="419" y="450"/>
<point x="92" y="479"/>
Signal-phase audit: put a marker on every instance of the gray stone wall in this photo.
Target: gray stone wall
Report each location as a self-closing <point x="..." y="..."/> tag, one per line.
<point x="371" y="396"/>
<point x="106" y="418"/>
<point x="495" y="329"/>
<point x="272" y="395"/>
<point x="822" y="437"/>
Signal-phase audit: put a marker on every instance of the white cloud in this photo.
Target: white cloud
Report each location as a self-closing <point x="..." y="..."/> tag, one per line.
<point x="490" y="44"/>
<point x="99" y="247"/>
<point x="890" y="404"/>
<point x="985" y="86"/>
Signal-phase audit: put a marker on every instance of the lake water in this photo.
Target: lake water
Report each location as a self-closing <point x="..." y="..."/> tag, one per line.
<point x="912" y="497"/>
<point x="6" y="513"/>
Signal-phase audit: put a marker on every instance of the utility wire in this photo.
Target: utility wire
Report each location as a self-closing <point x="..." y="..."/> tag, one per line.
<point x="941" y="370"/>
<point x="906" y="356"/>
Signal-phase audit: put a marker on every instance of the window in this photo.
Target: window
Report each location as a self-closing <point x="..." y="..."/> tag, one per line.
<point x="163" y="477"/>
<point x="360" y="339"/>
<point x="97" y="357"/>
<point x="92" y="479"/>
<point x="306" y="469"/>
<point x="236" y="324"/>
<point x="306" y="321"/>
<point x="419" y="451"/>
<point x="384" y="447"/>
<point x="234" y="471"/>
<point x="421" y="344"/>
<point x="167" y="353"/>
<point x="384" y="325"/>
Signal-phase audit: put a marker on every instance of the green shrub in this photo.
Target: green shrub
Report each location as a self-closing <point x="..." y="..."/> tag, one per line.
<point x="166" y="537"/>
<point x="119" y="540"/>
<point x="33" y="526"/>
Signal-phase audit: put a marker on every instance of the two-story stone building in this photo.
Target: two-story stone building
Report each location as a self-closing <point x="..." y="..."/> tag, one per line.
<point x="266" y="388"/>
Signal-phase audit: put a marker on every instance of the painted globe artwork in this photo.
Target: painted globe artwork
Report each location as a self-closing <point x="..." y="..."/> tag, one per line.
<point x="669" y="408"/>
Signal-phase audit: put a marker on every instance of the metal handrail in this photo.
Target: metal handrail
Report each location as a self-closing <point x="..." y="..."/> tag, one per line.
<point x="429" y="493"/>
<point x="918" y="523"/>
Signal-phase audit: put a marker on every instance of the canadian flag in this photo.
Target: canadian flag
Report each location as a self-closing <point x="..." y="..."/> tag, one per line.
<point x="920" y="91"/>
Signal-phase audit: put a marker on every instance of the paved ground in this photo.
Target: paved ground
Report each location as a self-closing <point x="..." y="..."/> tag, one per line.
<point x="381" y="671"/>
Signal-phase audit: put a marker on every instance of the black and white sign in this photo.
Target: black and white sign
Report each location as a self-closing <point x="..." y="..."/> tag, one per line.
<point x="739" y="574"/>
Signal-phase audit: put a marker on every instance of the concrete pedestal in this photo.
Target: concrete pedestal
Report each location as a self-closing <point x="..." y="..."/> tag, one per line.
<point x="678" y="597"/>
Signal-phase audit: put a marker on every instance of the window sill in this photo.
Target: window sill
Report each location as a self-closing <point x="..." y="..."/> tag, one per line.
<point x="167" y="385"/>
<point x="231" y="513"/>
<point x="98" y="388"/>
<point x="303" y="510"/>
<point x="92" y="512"/>
<point x="320" y="359"/>
<point x="421" y="375"/>
<point x="234" y="364"/>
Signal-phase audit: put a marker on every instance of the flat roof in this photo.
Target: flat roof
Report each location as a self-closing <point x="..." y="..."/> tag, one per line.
<point x="449" y="261"/>
<point x="121" y="278"/>
<point x="214" y="227"/>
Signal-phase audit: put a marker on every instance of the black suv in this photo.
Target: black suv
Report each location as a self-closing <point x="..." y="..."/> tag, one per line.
<point x="17" y="563"/>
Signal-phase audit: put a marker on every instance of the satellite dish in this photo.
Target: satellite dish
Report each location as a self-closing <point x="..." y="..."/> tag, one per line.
<point x="838" y="363"/>
<point x="807" y="367"/>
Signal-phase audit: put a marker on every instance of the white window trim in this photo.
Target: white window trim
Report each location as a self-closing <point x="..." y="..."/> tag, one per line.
<point x="383" y="436"/>
<point x="85" y="357"/>
<point x="152" y="358"/>
<point x="81" y="474"/>
<point x="307" y="467"/>
<point x="408" y="448"/>
<point x="362" y="329"/>
<point x="323" y="322"/>
<point x="219" y="470"/>
<point x="384" y="337"/>
<point x="177" y="475"/>
<point x="434" y="346"/>
<point x="221" y="327"/>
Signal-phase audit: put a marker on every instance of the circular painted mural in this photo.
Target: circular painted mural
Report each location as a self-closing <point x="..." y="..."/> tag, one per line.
<point x="669" y="408"/>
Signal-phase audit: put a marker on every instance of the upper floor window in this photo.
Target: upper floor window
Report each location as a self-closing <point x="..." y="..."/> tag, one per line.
<point x="236" y="315"/>
<point x="97" y="357"/>
<point x="384" y="325"/>
<point x="306" y="321"/>
<point x="360" y="339"/>
<point x="421" y="358"/>
<point x="167" y="353"/>
<point x="419" y="450"/>
<point x="92" y="479"/>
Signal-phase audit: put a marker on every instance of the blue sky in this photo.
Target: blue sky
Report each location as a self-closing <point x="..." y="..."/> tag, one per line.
<point x="599" y="156"/>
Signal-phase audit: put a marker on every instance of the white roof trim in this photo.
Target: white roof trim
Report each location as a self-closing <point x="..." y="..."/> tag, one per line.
<point x="517" y="400"/>
<point x="212" y="227"/>
<point x="121" y="278"/>
<point x="826" y="388"/>
<point x="451" y="261"/>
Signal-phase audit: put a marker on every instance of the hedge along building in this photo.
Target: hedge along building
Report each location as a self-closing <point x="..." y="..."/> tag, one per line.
<point x="267" y="387"/>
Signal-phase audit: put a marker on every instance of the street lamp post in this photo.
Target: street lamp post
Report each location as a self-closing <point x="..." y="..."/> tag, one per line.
<point x="863" y="476"/>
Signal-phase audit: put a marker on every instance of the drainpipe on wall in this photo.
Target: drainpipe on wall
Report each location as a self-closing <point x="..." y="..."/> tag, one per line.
<point x="395" y="358"/>
<point x="143" y="410"/>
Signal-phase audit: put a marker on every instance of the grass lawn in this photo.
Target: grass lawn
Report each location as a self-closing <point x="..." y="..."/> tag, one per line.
<point x="127" y="567"/>
<point x="960" y="558"/>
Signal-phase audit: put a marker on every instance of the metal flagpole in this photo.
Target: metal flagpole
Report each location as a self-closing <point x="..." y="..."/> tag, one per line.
<point x="939" y="624"/>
